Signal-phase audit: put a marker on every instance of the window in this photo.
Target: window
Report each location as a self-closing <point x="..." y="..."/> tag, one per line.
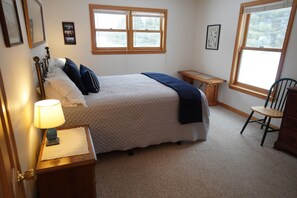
<point x="262" y="37"/>
<point x="127" y="30"/>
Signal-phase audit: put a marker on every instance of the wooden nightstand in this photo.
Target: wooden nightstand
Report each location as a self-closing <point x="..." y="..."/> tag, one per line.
<point x="72" y="176"/>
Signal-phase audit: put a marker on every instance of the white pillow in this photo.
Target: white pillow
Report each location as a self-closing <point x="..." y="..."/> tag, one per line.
<point x="55" y="63"/>
<point x="66" y="88"/>
<point x="51" y="93"/>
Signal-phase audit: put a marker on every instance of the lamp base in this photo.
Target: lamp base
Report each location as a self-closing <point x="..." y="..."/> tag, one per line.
<point x="53" y="142"/>
<point x="51" y="136"/>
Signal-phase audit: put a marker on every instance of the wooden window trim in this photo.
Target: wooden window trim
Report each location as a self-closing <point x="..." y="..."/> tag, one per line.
<point x="262" y="49"/>
<point x="241" y="34"/>
<point x="129" y="24"/>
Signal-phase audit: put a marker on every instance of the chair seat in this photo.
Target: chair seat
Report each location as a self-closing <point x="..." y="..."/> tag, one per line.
<point x="268" y="111"/>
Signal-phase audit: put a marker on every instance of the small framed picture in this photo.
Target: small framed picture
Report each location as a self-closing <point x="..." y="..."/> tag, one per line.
<point x="10" y="23"/>
<point x="69" y="33"/>
<point x="213" y="37"/>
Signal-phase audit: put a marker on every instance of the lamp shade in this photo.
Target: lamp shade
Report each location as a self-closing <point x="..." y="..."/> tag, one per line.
<point x="48" y="114"/>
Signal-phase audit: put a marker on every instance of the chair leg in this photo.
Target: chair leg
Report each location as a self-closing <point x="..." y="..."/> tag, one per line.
<point x="247" y="121"/>
<point x="265" y="132"/>
<point x="264" y="120"/>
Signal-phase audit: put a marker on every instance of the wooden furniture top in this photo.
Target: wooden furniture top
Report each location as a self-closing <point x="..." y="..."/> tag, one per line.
<point x="294" y="89"/>
<point x="205" y="78"/>
<point x="66" y="162"/>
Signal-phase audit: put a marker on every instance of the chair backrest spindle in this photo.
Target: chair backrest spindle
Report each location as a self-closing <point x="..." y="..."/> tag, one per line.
<point x="280" y="92"/>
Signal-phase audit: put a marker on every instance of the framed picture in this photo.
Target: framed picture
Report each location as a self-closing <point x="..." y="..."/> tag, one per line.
<point x="10" y="23"/>
<point x="69" y="33"/>
<point x="33" y="13"/>
<point x="213" y="37"/>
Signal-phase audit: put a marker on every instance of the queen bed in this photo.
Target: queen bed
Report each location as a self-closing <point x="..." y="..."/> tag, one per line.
<point x="129" y="111"/>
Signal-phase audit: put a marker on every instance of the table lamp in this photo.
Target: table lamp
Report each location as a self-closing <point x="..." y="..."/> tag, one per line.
<point x="48" y="114"/>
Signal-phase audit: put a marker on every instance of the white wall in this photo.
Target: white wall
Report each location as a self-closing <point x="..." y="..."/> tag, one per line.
<point x="180" y="35"/>
<point x="219" y="62"/>
<point x="18" y="73"/>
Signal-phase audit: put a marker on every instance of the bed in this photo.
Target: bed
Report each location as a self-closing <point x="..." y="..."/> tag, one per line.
<point x="130" y="111"/>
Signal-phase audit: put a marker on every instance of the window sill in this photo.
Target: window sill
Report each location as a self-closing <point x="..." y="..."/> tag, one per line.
<point x="248" y="91"/>
<point x="110" y="52"/>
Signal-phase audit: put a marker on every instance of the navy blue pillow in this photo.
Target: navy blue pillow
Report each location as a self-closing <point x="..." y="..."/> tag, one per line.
<point x="72" y="72"/>
<point x="89" y="79"/>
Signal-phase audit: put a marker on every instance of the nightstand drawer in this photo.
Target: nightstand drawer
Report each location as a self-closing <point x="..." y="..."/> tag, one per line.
<point x="70" y="182"/>
<point x="288" y="136"/>
<point x="290" y="122"/>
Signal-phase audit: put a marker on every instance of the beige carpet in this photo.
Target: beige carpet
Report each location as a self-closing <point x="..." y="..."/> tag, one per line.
<point x="226" y="165"/>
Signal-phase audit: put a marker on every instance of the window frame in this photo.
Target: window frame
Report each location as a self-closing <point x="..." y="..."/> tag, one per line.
<point x="240" y="45"/>
<point x="129" y="29"/>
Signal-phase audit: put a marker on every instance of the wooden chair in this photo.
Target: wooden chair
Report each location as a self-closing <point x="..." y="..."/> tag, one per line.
<point x="277" y="97"/>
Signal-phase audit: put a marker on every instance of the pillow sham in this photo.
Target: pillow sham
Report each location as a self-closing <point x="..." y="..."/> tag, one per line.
<point x="72" y="71"/>
<point x="66" y="88"/>
<point x="52" y="93"/>
<point x="54" y="63"/>
<point x="89" y="79"/>
<point x="57" y="62"/>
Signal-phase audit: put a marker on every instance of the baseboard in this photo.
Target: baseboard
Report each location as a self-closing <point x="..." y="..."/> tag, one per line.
<point x="233" y="109"/>
<point x="240" y="112"/>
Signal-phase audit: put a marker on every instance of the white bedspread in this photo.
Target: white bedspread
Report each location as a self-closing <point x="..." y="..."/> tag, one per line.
<point x="134" y="111"/>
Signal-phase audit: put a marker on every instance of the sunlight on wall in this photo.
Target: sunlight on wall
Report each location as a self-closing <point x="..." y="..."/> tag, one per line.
<point x="17" y="71"/>
<point x="32" y="135"/>
<point x="21" y="97"/>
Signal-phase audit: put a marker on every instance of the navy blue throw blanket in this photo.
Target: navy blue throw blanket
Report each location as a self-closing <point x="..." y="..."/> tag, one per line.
<point x="190" y="107"/>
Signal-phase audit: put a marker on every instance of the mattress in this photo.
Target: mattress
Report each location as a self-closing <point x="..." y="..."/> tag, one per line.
<point x="132" y="111"/>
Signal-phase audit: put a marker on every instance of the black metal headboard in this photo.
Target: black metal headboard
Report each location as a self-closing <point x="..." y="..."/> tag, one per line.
<point x="42" y="69"/>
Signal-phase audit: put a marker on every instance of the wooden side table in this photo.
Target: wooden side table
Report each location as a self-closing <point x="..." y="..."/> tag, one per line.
<point x="211" y="82"/>
<point x="71" y="176"/>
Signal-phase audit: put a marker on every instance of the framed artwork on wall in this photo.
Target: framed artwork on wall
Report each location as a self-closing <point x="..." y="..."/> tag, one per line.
<point x="34" y="22"/>
<point x="69" y="33"/>
<point x="10" y="23"/>
<point x="213" y="37"/>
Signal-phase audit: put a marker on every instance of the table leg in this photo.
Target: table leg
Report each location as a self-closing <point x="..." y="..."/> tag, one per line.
<point x="211" y="92"/>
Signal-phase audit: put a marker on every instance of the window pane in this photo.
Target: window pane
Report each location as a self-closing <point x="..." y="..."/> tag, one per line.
<point x="258" y="68"/>
<point x="146" y="39"/>
<point x="108" y="21"/>
<point x="111" y="39"/>
<point x="268" y="28"/>
<point x="146" y="23"/>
